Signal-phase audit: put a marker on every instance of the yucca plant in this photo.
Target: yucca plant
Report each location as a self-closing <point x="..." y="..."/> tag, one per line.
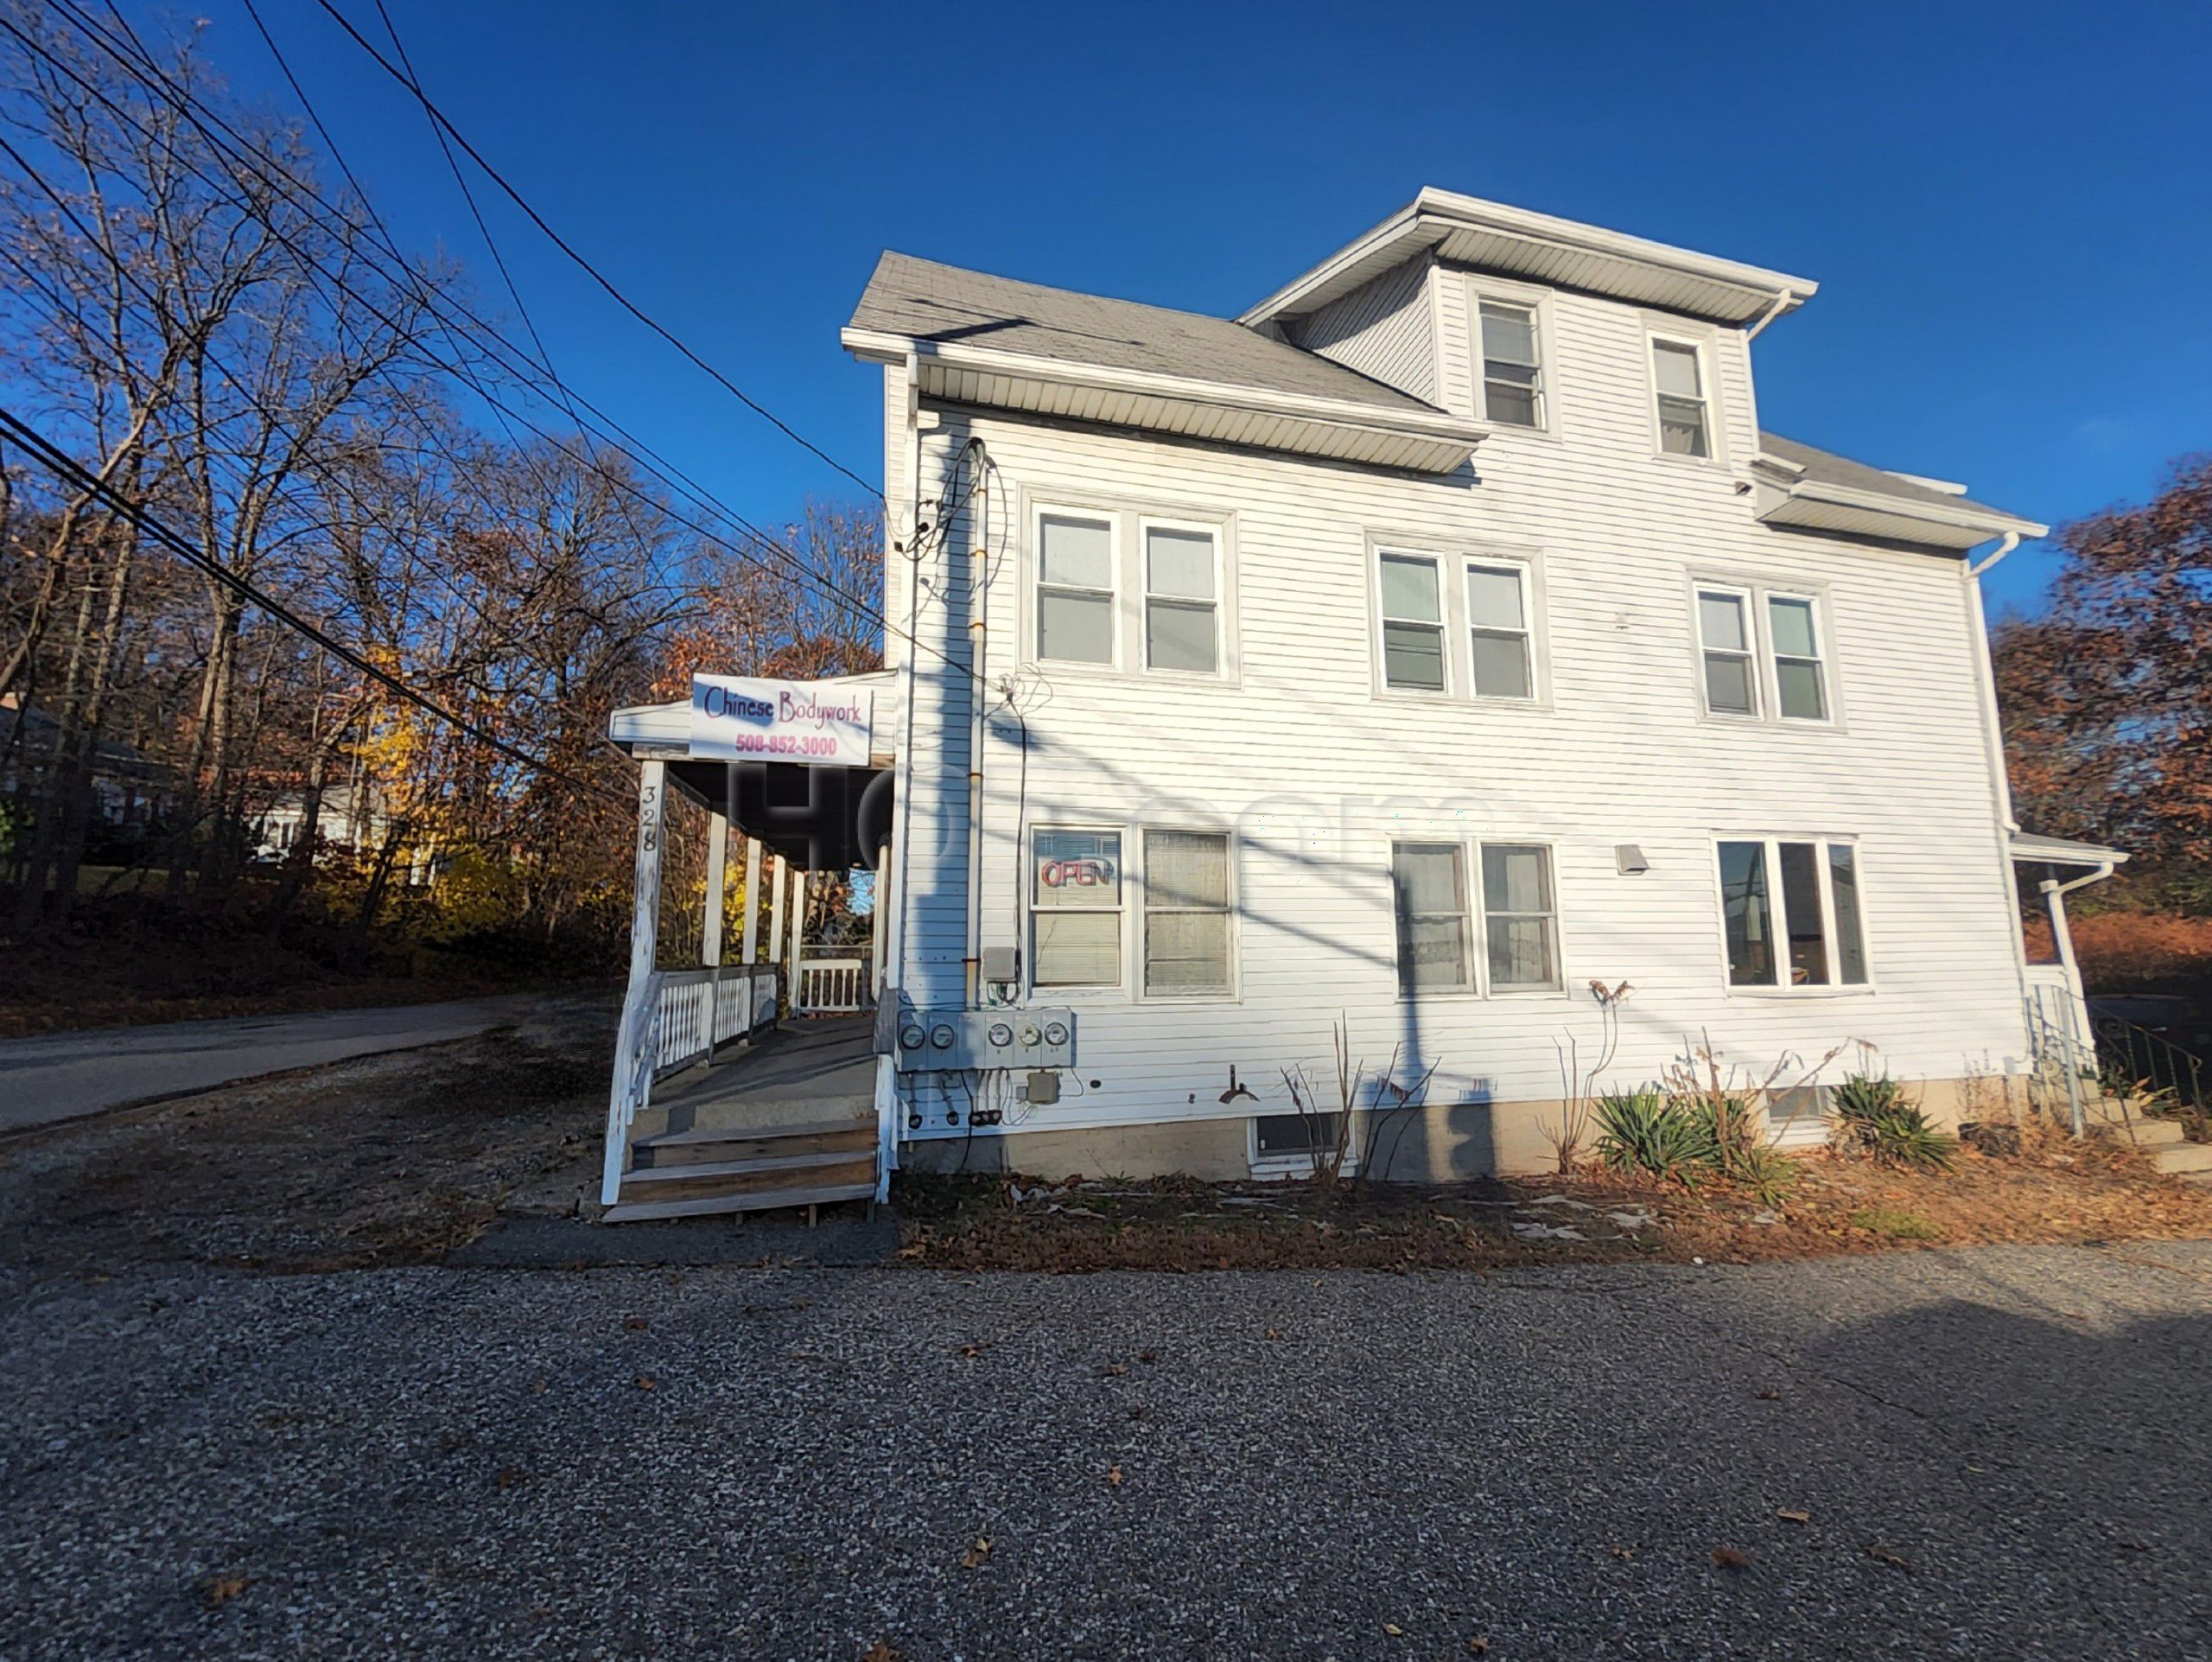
<point x="1875" y="1116"/>
<point x="1651" y="1132"/>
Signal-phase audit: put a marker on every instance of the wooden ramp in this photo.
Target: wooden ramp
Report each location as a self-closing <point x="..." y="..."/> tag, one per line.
<point x="790" y="1122"/>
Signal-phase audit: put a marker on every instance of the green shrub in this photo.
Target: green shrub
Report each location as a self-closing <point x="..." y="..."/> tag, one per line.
<point x="1650" y="1132"/>
<point x="1765" y="1170"/>
<point x="1875" y="1117"/>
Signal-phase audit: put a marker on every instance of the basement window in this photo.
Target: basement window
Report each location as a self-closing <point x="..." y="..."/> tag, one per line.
<point x="1294" y="1136"/>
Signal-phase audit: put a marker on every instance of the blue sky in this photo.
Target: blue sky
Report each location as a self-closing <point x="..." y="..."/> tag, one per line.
<point x="2006" y="206"/>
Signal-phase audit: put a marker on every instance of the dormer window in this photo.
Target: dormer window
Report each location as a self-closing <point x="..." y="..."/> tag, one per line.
<point x="1685" y="426"/>
<point x="1513" y="390"/>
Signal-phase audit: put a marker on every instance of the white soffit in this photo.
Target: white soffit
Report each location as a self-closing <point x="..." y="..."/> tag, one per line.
<point x="1560" y="253"/>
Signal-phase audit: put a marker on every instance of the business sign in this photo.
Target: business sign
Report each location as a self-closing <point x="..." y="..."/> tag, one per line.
<point x="813" y="724"/>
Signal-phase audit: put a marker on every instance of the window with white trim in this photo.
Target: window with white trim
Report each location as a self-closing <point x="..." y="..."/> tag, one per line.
<point x="1724" y="629"/>
<point x="1520" y="917"/>
<point x="1413" y="622"/>
<point x="1187" y="918"/>
<point x="1504" y="654"/>
<point x="1790" y="914"/>
<point x="1428" y="891"/>
<point x="1800" y="692"/>
<point x="1075" y="588"/>
<point x="1182" y="600"/>
<point x="1685" y="421"/>
<point x="1074" y="908"/>
<point x="1512" y="389"/>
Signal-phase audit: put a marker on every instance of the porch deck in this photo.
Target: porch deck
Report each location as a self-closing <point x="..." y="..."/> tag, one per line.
<point x="789" y="1121"/>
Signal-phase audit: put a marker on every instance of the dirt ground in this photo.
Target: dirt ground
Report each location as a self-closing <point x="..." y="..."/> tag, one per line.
<point x="393" y="1159"/>
<point x="2056" y="1194"/>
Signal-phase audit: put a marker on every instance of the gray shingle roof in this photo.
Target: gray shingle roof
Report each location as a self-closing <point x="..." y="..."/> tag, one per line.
<point x="925" y="300"/>
<point x="1825" y="467"/>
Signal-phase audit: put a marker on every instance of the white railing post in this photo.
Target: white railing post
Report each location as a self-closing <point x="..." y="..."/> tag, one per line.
<point x="798" y="913"/>
<point x="634" y="1047"/>
<point x="752" y="946"/>
<point x="776" y="912"/>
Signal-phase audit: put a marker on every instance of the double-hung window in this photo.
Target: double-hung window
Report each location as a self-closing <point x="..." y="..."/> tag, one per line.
<point x="1497" y="612"/>
<point x="1723" y="628"/>
<point x="1074" y="909"/>
<point x="1517" y="922"/>
<point x="1520" y="917"/>
<point x="1800" y="692"/>
<point x="1187" y="914"/>
<point x="1428" y="892"/>
<point x="1413" y="622"/>
<point x="1182" y="600"/>
<point x="1685" y="421"/>
<point x="1075" y="588"/>
<point x="1513" y="387"/>
<point x="1790" y="912"/>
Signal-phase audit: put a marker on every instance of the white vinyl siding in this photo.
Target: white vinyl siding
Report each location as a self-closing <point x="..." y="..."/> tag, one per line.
<point x="1189" y="923"/>
<point x="1182" y="600"/>
<point x="1385" y="330"/>
<point x="1791" y="913"/>
<point x="1075" y="908"/>
<point x="1513" y="375"/>
<point x="1685" y="417"/>
<point x="1075" y="588"/>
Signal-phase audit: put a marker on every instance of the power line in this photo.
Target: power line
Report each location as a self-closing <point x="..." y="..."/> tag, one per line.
<point x="593" y="272"/>
<point x="63" y="466"/>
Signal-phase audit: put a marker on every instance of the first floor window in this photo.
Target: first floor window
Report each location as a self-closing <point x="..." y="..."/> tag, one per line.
<point x="1076" y="909"/>
<point x="1791" y="915"/>
<point x="1075" y="589"/>
<point x="1520" y="918"/>
<point x="1497" y="610"/>
<point x="1413" y="623"/>
<point x="1429" y="894"/>
<point x="1187" y="914"/>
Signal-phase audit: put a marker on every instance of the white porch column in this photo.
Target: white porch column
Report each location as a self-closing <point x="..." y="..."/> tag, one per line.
<point x="776" y="913"/>
<point x="752" y="948"/>
<point x="798" y="918"/>
<point x="710" y="935"/>
<point x="876" y="914"/>
<point x="633" y="1040"/>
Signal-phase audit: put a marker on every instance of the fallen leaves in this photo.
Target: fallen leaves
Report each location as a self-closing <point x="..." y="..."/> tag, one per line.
<point x="1769" y="1395"/>
<point x="1479" y="1647"/>
<point x="1394" y="1630"/>
<point x="971" y="1351"/>
<point x="1728" y="1557"/>
<point x="635" y="1324"/>
<point x="882" y="1651"/>
<point x="1113" y="1370"/>
<point x="216" y="1591"/>
<point x="646" y="1382"/>
<point x="1890" y="1555"/>
<point x="1114" y="1476"/>
<point x="973" y="1557"/>
<point x="1794" y="1515"/>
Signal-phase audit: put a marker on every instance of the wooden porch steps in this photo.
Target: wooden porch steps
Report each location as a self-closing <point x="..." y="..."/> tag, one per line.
<point x="625" y="1212"/>
<point x="702" y="1170"/>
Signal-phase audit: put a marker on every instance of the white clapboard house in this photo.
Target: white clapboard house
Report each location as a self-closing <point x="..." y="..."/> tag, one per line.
<point x="1441" y="636"/>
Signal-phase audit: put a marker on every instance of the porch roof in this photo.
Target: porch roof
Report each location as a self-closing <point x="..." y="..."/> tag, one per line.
<point x="2063" y="851"/>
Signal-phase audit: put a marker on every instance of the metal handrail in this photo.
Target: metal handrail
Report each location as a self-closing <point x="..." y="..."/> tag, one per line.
<point x="2149" y="1059"/>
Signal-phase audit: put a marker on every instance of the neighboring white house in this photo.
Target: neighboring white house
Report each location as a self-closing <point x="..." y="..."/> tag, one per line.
<point x="1438" y="638"/>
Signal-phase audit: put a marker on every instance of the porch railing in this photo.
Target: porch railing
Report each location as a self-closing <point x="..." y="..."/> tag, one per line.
<point x="679" y="1019"/>
<point x="2134" y="1058"/>
<point x="833" y="980"/>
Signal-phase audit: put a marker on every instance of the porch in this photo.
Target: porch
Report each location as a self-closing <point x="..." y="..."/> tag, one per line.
<point x="748" y="1085"/>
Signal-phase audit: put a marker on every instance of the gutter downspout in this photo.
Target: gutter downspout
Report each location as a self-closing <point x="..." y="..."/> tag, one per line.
<point x="1986" y="676"/>
<point x="1770" y="313"/>
<point x="2077" y="1002"/>
<point x="892" y="965"/>
<point x="979" y="555"/>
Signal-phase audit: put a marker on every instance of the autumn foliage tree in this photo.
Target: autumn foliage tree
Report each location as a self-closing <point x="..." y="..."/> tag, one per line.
<point x="2107" y="696"/>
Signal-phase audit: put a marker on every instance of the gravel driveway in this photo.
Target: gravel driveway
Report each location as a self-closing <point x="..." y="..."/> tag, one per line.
<point x="2002" y="1453"/>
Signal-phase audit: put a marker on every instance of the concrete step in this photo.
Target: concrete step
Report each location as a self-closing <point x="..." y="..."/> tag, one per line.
<point x="764" y="1200"/>
<point x="2142" y="1133"/>
<point x="712" y="1147"/>
<point x="2183" y="1158"/>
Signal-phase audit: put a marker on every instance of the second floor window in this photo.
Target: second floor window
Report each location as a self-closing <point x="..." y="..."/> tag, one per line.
<point x="1800" y="683"/>
<point x="1513" y="390"/>
<point x="1075" y="589"/>
<point x="1723" y="626"/>
<point x="1413" y="623"/>
<point x="1683" y="420"/>
<point x="1182" y="600"/>
<point x="1497" y="610"/>
<point x="1745" y="672"/>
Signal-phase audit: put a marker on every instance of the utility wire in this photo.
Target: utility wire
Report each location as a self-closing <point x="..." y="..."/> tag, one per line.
<point x="63" y="466"/>
<point x="593" y="272"/>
